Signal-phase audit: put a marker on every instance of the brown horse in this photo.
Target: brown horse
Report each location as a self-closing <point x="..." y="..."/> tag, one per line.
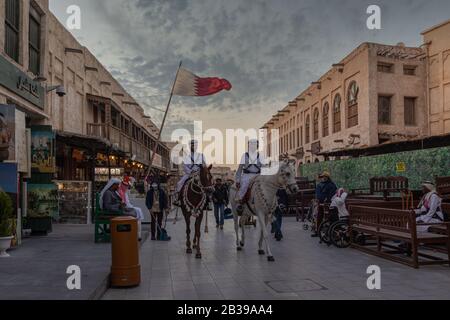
<point x="193" y="201"/>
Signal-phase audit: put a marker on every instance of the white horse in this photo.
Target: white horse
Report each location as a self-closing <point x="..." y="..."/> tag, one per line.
<point x="262" y="203"/>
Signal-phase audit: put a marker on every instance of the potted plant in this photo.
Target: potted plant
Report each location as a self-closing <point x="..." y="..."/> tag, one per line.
<point x="6" y="216"/>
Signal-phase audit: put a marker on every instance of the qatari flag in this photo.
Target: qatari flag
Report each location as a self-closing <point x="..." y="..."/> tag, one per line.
<point x="188" y="84"/>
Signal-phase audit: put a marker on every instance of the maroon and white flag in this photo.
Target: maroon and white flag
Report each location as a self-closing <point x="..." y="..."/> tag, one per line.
<point x="188" y="84"/>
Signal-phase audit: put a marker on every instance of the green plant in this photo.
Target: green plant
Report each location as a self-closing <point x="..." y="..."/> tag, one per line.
<point x="6" y="214"/>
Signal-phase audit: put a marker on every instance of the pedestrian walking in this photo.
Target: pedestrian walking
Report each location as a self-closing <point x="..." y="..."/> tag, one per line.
<point x="220" y="200"/>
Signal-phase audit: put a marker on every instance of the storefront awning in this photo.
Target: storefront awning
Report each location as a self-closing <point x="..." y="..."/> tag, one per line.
<point x="87" y="142"/>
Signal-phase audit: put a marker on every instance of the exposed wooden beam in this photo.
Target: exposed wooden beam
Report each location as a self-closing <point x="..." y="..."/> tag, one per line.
<point x="91" y="69"/>
<point x="73" y="50"/>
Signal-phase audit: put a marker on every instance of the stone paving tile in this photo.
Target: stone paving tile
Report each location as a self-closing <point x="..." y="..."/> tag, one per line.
<point x="302" y="266"/>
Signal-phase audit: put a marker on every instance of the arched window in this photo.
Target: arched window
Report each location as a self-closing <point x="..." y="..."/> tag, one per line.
<point x="337" y="113"/>
<point x="352" y="104"/>
<point x="325" y="124"/>
<point x="307" y="129"/>
<point x="316" y="124"/>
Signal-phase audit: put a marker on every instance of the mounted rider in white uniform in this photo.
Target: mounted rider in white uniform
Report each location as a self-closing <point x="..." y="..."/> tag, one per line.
<point x="191" y="163"/>
<point x="250" y="167"/>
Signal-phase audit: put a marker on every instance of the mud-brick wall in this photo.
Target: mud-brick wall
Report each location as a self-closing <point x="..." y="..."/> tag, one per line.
<point x="355" y="173"/>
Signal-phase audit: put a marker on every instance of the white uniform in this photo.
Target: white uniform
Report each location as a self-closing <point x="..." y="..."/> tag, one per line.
<point x="191" y="164"/>
<point x="429" y="211"/>
<point x="249" y="168"/>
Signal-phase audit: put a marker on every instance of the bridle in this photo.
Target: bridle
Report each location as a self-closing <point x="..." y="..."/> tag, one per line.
<point x="195" y="185"/>
<point x="284" y="177"/>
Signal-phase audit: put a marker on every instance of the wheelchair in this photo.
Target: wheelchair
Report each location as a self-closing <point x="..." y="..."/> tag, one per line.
<point x="334" y="230"/>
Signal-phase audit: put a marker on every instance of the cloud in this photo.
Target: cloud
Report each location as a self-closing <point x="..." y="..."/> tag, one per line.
<point x="269" y="50"/>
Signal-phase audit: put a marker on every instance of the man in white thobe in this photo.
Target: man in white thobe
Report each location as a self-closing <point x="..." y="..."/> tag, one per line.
<point x="250" y="167"/>
<point x="429" y="209"/>
<point x="192" y="163"/>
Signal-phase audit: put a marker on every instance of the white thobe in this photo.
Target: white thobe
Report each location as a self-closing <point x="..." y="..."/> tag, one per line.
<point x="191" y="164"/>
<point x="252" y="163"/>
<point x="429" y="207"/>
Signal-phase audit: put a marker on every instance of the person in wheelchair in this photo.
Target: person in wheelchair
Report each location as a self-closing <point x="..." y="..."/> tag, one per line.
<point x="334" y="229"/>
<point x="338" y="209"/>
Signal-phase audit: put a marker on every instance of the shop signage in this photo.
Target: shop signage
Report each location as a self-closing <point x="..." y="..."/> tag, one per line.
<point x="24" y="84"/>
<point x="300" y="153"/>
<point x="316" y="148"/>
<point x="42" y="149"/>
<point x="15" y="80"/>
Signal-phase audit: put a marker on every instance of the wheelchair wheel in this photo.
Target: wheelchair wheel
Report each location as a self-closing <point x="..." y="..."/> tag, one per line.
<point x="339" y="234"/>
<point x="324" y="232"/>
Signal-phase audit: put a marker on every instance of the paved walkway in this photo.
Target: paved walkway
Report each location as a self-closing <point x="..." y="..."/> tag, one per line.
<point x="304" y="269"/>
<point x="37" y="269"/>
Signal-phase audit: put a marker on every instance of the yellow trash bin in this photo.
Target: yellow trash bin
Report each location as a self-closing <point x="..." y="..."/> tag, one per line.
<point x="125" y="268"/>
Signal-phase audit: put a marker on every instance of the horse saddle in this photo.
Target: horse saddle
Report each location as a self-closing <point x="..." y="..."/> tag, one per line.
<point x="248" y="194"/>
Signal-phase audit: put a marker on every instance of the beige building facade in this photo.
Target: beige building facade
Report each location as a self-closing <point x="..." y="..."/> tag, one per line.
<point x="40" y="53"/>
<point x="437" y="41"/>
<point x="377" y="94"/>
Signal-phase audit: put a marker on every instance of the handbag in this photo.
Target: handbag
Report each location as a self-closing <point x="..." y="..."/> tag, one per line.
<point x="228" y="213"/>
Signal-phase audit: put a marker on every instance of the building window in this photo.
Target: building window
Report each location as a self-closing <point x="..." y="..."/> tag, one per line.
<point x="12" y="26"/>
<point x="385" y="67"/>
<point x="326" y="112"/>
<point x="307" y="129"/>
<point x="410" y="111"/>
<point x="409" y="70"/>
<point x="352" y="99"/>
<point x="301" y="136"/>
<point x="316" y="124"/>
<point x="35" y="41"/>
<point x="298" y="138"/>
<point x="384" y="110"/>
<point x="337" y="114"/>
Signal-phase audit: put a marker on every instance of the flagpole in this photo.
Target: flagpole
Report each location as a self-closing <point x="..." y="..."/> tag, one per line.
<point x="157" y="143"/>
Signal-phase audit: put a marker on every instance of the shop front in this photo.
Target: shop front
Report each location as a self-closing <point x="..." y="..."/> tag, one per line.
<point x="22" y="101"/>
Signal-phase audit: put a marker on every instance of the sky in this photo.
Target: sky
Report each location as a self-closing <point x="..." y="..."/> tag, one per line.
<point x="270" y="50"/>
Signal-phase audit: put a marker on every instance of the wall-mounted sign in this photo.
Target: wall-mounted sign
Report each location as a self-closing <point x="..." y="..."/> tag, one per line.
<point x="7" y="132"/>
<point x="400" y="167"/>
<point x="316" y="148"/>
<point x="42" y="149"/>
<point x="300" y="153"/>
<point x="105" y="171"/>
<point x="18" y="82"/>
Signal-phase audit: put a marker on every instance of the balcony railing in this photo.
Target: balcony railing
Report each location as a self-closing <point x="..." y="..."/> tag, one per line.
<point x="125" y="143"/>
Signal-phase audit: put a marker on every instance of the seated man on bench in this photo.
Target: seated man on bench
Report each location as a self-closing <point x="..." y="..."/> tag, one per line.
<point x="110" y="199"/>
<point x="430" y="207"/>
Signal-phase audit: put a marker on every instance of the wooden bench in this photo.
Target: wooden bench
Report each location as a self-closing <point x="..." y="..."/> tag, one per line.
<point x="440" y="229"/>
<point x="443" y="187"/>
<point x="300" y="201"/>
<point x="381" y="186"/>
<point x="102" y="221"/>
<point x="387" y="225"/>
